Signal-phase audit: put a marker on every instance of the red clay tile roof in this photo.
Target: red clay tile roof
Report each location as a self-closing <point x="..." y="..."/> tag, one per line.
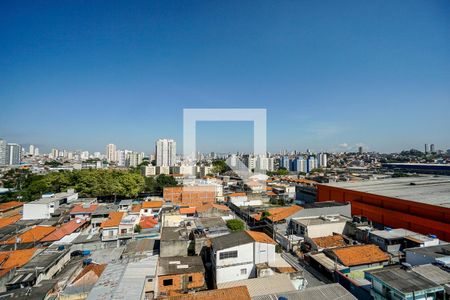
<point x="270" y="193"/>
<point x="233" y="293"/>
<point x="65" y="229"/>
<point x="9" y="205"/>
<point x="136" y="208"/>
<point x="331" y="241"/>
<point x="9" y="220"/>
<point x="360" y="255"/>
<point x="260" y="237"/>
<point x="16" y="258"/>
<point x="148" y="222"/>
<point x="152" y="204"/>
<point x="35" y="234"/>
<point x="279" y="213"/>
<point x="187" y="210"/>
<point x="113" y="220"/>
<point x="94" y="268"/>
<point x="209" y="206"/>
<point x="81" y="209"/>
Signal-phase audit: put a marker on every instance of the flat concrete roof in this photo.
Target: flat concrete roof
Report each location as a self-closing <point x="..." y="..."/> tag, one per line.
<point x="180" y="265"/>
<point x="434" y="190"/>
<point x="328" y="219"/>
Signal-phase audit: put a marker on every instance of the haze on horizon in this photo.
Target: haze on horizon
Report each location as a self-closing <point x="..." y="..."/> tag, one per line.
<point x="80" y="75"/>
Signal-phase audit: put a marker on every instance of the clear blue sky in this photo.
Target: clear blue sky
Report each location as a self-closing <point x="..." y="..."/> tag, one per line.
<point x="81" y="74"/>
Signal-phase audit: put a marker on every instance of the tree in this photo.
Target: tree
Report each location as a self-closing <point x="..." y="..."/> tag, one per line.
<point x="137" y="228"/>
<point x="88" y="183"/>
<point x="158" y="183"/>
<point x="283" y="171"/>
<point x="235" y="225"/>
<point x="52" y="163"/>
<point x="265" y="214"/>
<point x="220" y="166"/>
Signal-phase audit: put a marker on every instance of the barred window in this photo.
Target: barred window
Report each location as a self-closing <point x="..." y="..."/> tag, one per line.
<point x="228" y="254"/>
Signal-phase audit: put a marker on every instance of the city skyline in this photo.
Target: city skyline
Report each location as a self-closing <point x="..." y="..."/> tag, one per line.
<point x="330" y="76"/>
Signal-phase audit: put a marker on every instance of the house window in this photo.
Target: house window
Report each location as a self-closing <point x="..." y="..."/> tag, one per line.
<point x="243" y="271"/>
<point x="302" y="230"/>
<point x="190" y="278"/>
<point x="150" y="280"/>
<point x="228" y="254"/>
<point x="167" y="282"/>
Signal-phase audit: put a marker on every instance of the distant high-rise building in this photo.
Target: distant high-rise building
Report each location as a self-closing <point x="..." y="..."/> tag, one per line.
<point x="233" y="160"/>
<point x="111" y="154"/>
<point x="121" y="156"/>
<point x="432" y="150"/>
<point x="360" y="150"/>
<point x="84" y="155"/>
<point x="13" y="154"/>
<point x="55" y="153"/>
<point x="2" y="152"/>
<point x="271" y="164"/>
<point x="36" y="151"/>
<point x="262" y="163"/>
<point x="284" y="162"/>
<point x="166" y="150"/>
<point x="133" y="159"/>
<point x="311" y="164"/>
<point x="31" y="150"/>
<point x="322" y="161"/>
<point x="298" y="165"/>
<point x="249" y="161"/>
<point x="426" y="148"/>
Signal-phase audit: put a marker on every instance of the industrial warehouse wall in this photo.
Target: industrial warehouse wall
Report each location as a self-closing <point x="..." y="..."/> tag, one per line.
<point x="392" y="212"/>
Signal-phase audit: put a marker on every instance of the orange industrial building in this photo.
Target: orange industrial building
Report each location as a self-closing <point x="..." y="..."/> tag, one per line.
<point x="420" y="204"/>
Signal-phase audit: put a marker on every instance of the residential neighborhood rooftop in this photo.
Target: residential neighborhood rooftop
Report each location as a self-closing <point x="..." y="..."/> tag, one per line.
<point x="180" y="265"/>
<point x="402" y="279"/>
<point x="240" y="238"/>
<point x="330" y="241"/>
<point x="232" y="293"/>
<point x="262" y="286"/>
<point x="333" y="291"/>
<point x="359" y="255"/>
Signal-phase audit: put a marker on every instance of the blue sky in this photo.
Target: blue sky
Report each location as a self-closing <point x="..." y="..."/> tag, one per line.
<point x="331" y="74"/>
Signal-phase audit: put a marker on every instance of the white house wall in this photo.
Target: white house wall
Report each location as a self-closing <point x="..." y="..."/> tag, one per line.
<point x="230" y="269"/>
<point x="245" y="254"/>
<point x="233" y="273"/>
<point x="264" y="253"/>
<point x="325" y="229"/>
<point x="35" y="211"/>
